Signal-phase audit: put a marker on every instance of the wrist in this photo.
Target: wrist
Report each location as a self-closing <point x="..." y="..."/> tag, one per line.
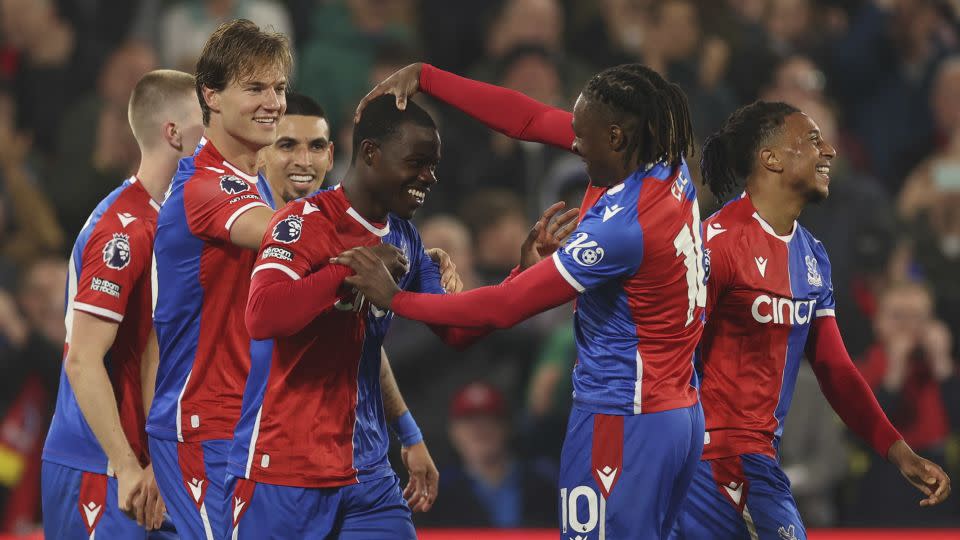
<point x="125" y="464"/>
<point x="898" y="452"/>
<point x="407" y="429"/>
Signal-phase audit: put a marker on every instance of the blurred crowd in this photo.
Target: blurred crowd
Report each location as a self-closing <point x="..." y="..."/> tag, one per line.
<point x="880" y="77"/>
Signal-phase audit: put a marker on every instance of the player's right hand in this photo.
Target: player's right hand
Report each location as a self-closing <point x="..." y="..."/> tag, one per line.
<point x="403" y="83"/>
<point x="372" y="278"/>
<point x="153" y="505"/>
<point x="394" y="259"/>
<point x="924" y="474"/>
<point x="548" y="234"/>
<point x="130" y="494"/>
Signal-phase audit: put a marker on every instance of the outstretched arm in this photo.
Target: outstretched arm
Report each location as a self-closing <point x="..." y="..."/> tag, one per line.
<point x="501" y="306"/>
<point x="507" y="111"/>
<point x="851" y="397"/>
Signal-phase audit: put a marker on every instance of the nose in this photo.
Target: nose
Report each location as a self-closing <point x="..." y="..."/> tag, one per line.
<point x="273" y="100"/>
<point x="828" y="151"/>
<point x="428" y="176"/>
<point x="301" y="157"/>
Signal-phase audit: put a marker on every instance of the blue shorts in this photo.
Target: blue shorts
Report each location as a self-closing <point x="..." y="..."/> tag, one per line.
<point x="372" y="509"/>
<point x="80" y="504"/>
<point x="626" y="476"/>
<point x="741" y="497"/>
<point x="191" y="477"/>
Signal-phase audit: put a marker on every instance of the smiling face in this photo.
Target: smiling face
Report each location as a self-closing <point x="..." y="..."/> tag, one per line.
<point x="298" y="161"/>
<point x="250" y="109"/>
<point x="404" y="165"/>
<point x="805" y="157"/>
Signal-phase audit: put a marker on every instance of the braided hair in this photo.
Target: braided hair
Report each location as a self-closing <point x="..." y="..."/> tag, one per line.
<point x="653" y="112"/>
<point x="730" y="154"/>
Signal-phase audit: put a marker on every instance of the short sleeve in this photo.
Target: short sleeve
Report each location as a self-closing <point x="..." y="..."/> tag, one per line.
<point x="596" y="254"/>
<point x="213" y="204"/>
<point x="295" y="241"/>
<point x="113" y="261"/>
<point x="428" y="274"/>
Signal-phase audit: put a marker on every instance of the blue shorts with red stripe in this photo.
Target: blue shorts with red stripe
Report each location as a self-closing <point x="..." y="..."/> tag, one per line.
<point x="626" y="476"/>
<point x="743" y="497"/>
<point x="191" y="478"/>
<point x="83" y="505"/>
<point x="372" y="509"/>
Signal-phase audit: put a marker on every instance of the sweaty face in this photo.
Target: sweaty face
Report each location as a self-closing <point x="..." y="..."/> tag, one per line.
<point x="251" y="109"/>
<point x="805" y="157"/>
<point x="592" y="141"/>
<point x="297" y="162"/>
<point x="406" y="169"/>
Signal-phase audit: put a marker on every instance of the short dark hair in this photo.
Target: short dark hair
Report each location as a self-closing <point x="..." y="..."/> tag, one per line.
<point x="381" y="119"/>
<point x="236" y="50"/>
<point x="301" y="105"/>
<point x="730" y="154"/>
<point x="653" y="112"/>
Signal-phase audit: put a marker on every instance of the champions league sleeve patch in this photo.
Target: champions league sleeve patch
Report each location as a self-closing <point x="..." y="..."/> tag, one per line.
<point x="116" y="252"/>
<point x="288" y="230"/>
<point x="232" y="185"/>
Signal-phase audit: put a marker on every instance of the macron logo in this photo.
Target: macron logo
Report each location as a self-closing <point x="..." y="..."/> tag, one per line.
<point x="735" y="491"/>
<point x="237" y="508"/>
<point x="196" y="487"/>
<point x="126" y="219"/>
<point x="761" y="265"/>
<point x="606" y="477"/>
<point x="92" y="510"/>
<point x="713" y="230"/>
<point x="611" y="211"/>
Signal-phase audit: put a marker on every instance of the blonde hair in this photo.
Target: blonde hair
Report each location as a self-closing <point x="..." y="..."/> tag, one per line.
<point x="157" y="95"/>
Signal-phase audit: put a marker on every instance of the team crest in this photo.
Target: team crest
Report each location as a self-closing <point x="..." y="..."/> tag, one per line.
<point x="288" y="230"/>
<point x="116" y="252"/>
<point x="585" y="252"/>
<point x="813" y="272"/>
<point x="231" y="185"/>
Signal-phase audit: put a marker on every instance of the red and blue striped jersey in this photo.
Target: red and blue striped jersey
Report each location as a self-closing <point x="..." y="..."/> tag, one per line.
<point x="765" y="290"/>
<point x="313" y="412"/>
<point x="201" y="281"/>
<point x="109" y="277"/>
<point x="637" y="261"/>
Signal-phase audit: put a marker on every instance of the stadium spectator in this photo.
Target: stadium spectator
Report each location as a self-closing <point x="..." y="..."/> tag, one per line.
<point x="912" y="370"/>
<point x="53" y="67"/>
<point x="185" y="25"/>
<point x="489" y="486"/>
<point x="496" y="218"/>
<point x="95" y="142"/>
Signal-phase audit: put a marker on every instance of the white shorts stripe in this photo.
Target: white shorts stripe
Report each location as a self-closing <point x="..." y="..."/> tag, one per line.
<point x="112" y="315"/>
<point x="277" y="266"/>
<point x="241" y="210"/>
<point x="207" y="529"/>
<point x="566" y="275"/>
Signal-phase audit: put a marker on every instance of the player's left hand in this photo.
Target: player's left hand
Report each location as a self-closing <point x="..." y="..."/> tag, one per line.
<point x="449" y="278"/>
<point x="153" y="506"/>
<point x="924" y="474"/>
<point x="421" y="490"/>
<point x="547" y="234"/>
<point x="372" y="278"/>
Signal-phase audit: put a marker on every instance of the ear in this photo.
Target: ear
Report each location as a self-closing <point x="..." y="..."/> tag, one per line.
<point x="173" y="136"/>
<point x="369" y="151"/>
<point x="330" y="162"/>
<point x="212" y="98"/>
<point x="770" y="161"/>
<point x="616" y="138"/>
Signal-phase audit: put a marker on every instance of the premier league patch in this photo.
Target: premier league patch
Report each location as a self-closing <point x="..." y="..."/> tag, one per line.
<point x="288" y="230"/>
<point x="116" y="252"/>
<point x="813" y="272"/>
<point x="586" y="252"/>
<point x="231" y="185"/>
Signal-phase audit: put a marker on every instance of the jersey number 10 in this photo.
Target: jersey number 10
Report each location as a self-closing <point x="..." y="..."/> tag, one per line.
<point x="690" y="247"/>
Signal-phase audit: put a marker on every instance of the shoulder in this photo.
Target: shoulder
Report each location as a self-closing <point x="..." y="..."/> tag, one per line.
<point x="727" y="228"/>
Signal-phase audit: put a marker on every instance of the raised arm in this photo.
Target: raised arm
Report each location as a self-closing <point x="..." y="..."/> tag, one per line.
<point x="507" y="111"/>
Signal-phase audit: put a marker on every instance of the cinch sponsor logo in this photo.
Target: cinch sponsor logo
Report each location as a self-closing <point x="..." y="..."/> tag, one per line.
<point x="768" y="309"/>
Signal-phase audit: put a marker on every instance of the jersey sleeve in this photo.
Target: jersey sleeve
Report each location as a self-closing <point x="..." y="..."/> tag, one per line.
<point x="213" y="204"/>
<point x="295" y="241"/>
<point x="596" y="254"/>
<point x="826" y="305"/>
<point x="720" y="271"/>
<point x="113" y="260"/>
<point x="427" y="278"/>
